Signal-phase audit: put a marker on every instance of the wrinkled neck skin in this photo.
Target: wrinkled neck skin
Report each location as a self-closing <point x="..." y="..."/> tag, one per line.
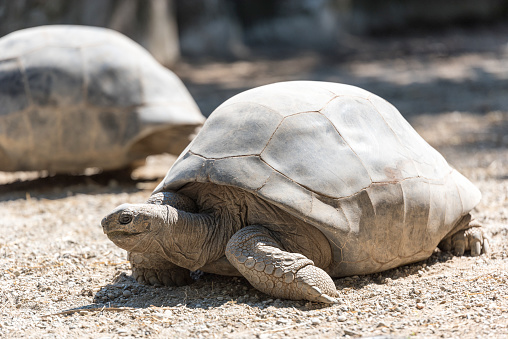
<point x="189" y="240"/>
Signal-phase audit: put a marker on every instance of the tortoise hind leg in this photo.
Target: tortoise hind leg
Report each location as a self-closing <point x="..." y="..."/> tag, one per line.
<point x="270" y="269"/>
<point x="469" y="237"/>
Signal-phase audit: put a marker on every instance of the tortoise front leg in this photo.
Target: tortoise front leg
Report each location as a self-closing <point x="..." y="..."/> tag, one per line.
<point x="151" y="269"/>
<point x="270" y="269"/>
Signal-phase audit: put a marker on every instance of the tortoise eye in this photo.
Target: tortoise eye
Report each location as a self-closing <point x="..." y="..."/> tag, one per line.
<point x="125" y="219"/>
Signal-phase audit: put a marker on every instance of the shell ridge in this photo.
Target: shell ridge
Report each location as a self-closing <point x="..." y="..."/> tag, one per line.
<point x="219" y="158"/>
<point x="326" y="104"/>
<point x="460" y="197"/>
<point x="270" y="139"/>
<point x="399" y="251"/>
<point x="427" y="227"/>
<point x="347" y="143"/>
<point x="372" y="248"/>
<point x="252" y="103"/>
<point x="326" y="89"/>
<point x="395" y="134"/>
<point x="350" y="227"/>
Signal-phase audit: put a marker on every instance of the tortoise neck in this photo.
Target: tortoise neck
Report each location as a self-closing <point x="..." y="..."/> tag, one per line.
<point x="190" y="240"/>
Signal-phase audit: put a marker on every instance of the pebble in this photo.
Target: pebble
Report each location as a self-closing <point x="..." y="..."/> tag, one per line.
<point x="315" y="321"/>
<point x="127" y="293"/>
<point x="341" y="318"/>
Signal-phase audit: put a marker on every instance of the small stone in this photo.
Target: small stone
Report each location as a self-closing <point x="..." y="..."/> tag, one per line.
<point x="342" y="318"/>
<point x="315" y="321"/>
<point x="127" y="293"/>
<point x="420" y="306"/>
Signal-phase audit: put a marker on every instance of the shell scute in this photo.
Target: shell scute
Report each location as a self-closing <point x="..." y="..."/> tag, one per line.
<point x="13" y="96"/>
<point x="237" y="130"/>
<point x="113" y="77"/>
<point x="299" y="146"/>
<point x="361" y="126"/>
<point x="52" y="84"/>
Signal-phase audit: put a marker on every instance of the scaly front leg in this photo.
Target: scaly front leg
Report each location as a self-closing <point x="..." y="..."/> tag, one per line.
<point x="262" y="261"/>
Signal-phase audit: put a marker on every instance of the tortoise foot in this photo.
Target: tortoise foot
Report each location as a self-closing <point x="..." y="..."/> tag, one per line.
<point x="162" y="277"/>
<point x="151" y="269"/>
<point x="274" y="271"/>
<point x="471" y="239"/>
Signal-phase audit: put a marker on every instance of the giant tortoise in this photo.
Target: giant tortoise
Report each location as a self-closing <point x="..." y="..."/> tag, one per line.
<point x="292" y="183"/>
<point x="73" y="97"/>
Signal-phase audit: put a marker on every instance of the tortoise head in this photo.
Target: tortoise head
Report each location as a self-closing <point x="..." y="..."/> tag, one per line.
<point x="134" y="227"/>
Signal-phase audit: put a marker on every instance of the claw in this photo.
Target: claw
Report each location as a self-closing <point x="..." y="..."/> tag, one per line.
<point x="324" y="298"/>
<point x="314" y="291"/>
<point x="459" y="243"/>
<point x="486" y="246"/>
<point x="476" y="249"/>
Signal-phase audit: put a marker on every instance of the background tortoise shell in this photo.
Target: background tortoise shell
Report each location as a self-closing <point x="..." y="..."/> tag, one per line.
<point x="73" y="97"/>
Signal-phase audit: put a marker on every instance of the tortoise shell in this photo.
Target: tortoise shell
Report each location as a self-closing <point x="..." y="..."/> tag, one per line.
<point x="339" y="158"/>
<point x="73" y="97"/>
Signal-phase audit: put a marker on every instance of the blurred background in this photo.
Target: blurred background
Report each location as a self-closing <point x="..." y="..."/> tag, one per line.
<point x="423" y="56"/>
<point x="443" y="64"/>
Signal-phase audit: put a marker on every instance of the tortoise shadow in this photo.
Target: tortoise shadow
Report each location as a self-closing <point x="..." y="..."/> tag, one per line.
<point x="60" y="186"/>
<point x="400" y="272"/>
<point x="212" y="291"/>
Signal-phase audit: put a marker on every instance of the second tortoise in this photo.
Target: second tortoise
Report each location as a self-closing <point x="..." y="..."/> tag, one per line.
<point x="73" y="97"/>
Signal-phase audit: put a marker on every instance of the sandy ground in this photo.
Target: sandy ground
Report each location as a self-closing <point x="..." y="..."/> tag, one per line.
<point x="61" y="277"/>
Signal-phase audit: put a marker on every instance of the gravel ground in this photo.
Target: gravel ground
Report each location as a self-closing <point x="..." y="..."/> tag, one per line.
<point x="61" y="277"/>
